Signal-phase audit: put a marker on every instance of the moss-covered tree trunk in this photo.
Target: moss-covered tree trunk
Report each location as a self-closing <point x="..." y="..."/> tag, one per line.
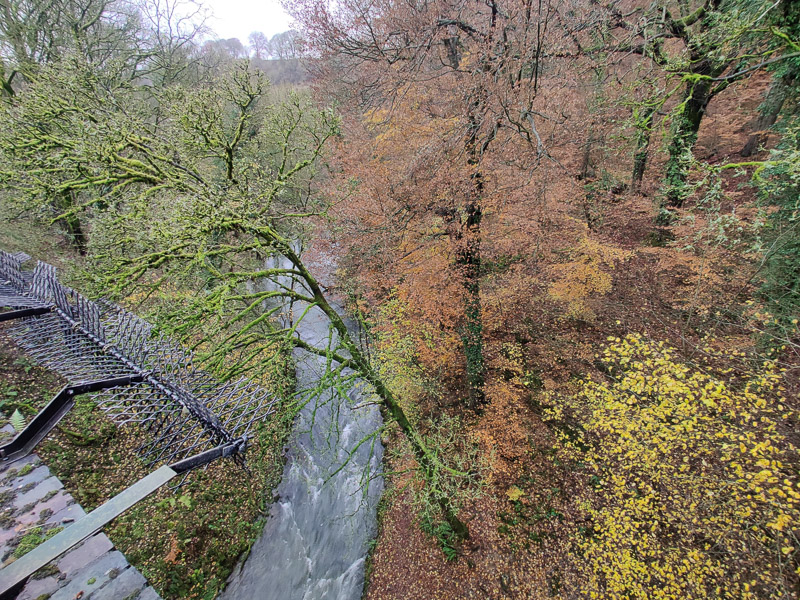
<point x="70" y="222"/>
<point x="427" y="460"/>
<point x="587" y="168"/>
<point x="684" y="135"/>
<point x="644" y="125"/>
<point x="468" y="256"/>
<point x="469" y="261"/>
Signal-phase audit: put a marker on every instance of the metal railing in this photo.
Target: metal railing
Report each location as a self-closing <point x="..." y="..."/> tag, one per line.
<point x="189" y="419"/>
<point x="137" y="376"/>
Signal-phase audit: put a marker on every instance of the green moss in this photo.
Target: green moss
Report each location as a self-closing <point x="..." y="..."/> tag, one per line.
<point x="45" y="514"/>
<point x="32" y="539"/>
<point x="46" y="571"/>
<point x="202" y="529"/>
<point x="27" y="508"/>
<point x="7" y="518"/>
<point x="7" y="497"/>
<point x="210" y="522"/>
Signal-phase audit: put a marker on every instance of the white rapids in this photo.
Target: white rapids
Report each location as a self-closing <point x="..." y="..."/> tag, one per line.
<point x="316" y="537"/>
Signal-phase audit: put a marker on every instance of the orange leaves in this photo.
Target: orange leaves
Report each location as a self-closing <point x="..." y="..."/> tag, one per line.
<point x="411" y="119"/>
<point x="506" y="360"/>
<point x="172" y="555"/>
<point x="415" y="354"/>
<point x="584" y="276"/>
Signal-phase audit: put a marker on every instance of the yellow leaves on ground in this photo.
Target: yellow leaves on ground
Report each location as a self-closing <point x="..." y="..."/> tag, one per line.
<point x="695" y="490"/>
<point x="584" y="276"/>
<point x="514" y="493"/>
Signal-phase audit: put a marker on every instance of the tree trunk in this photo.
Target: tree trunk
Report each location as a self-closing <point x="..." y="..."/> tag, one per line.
<point x="426" y="459"/>
<point x="768" y="112"/>
<point x="684" y="135"/>
<point x="696" y="96"/>
<point x="469" y="260"/>
<point x="587" y="168"/>
<point x="72" y="224"/>
<point x="640" y="155"/>
<point x="74" y="231"/>
<point x="5" y="82"/>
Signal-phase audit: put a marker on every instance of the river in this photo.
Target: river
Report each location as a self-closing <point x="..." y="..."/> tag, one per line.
<point x="314" y="543"/>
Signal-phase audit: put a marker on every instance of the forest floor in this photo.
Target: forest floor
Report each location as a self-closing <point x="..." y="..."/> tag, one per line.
<point x="695" y="281"/>
<point x="675" y="289"/>
<point x="520" y="530"/>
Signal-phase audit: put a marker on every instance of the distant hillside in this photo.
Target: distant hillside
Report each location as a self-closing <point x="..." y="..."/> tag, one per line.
<point x="290" y="71"/>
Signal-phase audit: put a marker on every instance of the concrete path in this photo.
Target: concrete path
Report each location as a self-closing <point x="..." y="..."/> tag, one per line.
<point x="30" y="498"/>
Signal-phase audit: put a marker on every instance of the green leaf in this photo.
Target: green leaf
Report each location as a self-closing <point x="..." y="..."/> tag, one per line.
<point x="17" y="420"/>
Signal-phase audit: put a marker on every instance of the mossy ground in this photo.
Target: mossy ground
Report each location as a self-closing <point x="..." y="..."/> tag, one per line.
<point x="186" y="541"/>
<point x="23" y="385"/>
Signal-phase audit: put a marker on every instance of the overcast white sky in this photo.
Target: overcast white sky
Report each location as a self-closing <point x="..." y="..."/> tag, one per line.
<point x="239" y="18"/>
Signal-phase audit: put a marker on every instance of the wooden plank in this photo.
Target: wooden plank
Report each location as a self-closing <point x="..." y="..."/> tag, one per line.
<point x="21" y="569"/>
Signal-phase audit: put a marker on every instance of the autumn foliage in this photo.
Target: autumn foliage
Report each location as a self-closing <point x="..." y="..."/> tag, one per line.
<point x="506" y="190"/>
<point x="693" y="489"/>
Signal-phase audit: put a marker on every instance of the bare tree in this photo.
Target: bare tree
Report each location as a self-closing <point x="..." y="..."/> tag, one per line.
<point x="284" y="46"/>
<point x="259" y="45"/>
<point x="172" y="28"/>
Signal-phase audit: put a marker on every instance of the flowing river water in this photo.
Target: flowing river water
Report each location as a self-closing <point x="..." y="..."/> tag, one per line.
<point x="315" y="541"/>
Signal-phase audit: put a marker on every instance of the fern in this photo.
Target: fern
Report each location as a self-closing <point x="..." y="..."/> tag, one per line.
<point x="17" y="420"/>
